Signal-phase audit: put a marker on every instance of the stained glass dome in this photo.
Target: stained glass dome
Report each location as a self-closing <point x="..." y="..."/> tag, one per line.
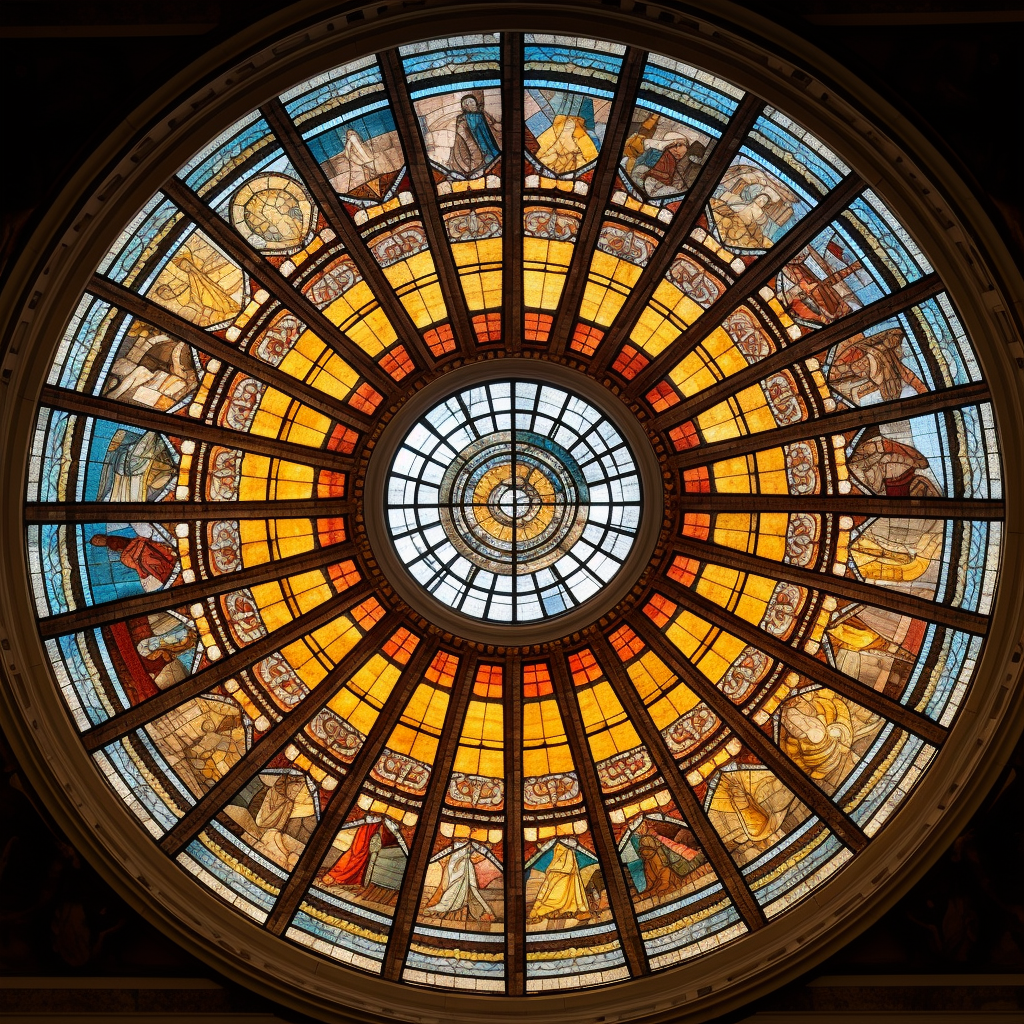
<point x="720" y="432"/>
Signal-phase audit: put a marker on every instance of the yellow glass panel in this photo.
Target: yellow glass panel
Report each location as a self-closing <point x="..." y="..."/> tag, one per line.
<point x="415" y="284"/>
<point x="608" y="284"/>
<point x="545" y="750"/>
<point x="312" y="361"/>
<point x="420" y="725"/>
<point x="315" y="655"/>
<point x="664" y="318"/>
<point x="676" y="702"/>
<point x="481" y="744"/>
<point x="280" y="416"/>
<point x="651" y="676"/>
<point x="763" y="534"/>
<point x="545" y="264"/>
<point x="763" y="472"/>
<point x="359" y="315"/>
<point x="717" y="357"/>
<point x="281" y="601"/>
<point x="479" y="265"/>
<point x="365" y="693"/>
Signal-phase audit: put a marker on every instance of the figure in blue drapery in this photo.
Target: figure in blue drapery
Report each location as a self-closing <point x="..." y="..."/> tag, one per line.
<point x="474" y="148"/>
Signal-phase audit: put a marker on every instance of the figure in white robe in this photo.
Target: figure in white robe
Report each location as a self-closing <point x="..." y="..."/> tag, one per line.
<point x="459" y="888"/>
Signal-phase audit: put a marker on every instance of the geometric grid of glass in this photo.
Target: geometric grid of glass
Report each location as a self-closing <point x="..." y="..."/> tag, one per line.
<point x="281" y="725"/>
<point x="513" y="501"/>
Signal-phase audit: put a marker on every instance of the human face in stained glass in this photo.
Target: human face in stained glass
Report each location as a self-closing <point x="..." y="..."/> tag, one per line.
<point x="513" y="501"/>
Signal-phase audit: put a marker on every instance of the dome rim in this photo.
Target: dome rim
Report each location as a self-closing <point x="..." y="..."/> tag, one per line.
<point x="19" y="702"/>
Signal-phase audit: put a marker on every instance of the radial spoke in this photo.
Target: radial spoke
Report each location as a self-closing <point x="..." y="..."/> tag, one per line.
<point x="800" y="661"/>
<point x="145" y="309"/>
<point x="696" y="817"/>
<point x="270" y="278"/>
<point x="330" y="203"/>
<point x="840" y="586"/>
<point x="344" y="796"/>
<point x="766" y="267"/>
<point x="832" y="423"/>
<point x="426" y="195"/>
<point x="94" y="615"/>
<point x="408" y="904"/>
<point x="752" y="737"/>
<point x="159" y="704"/>
<point x="186" y="427"/>
<point x="209" y="805"/>
<point x="185" y="511"/>
<point x="847" y="505"/>
<point x="810" y="345"/>
<point x="515" y="890"/>
<point x="682" y="224"/>
<point x="511" y="180"/>
<point x="604" y="839"/>
<point x="600" y="191"/>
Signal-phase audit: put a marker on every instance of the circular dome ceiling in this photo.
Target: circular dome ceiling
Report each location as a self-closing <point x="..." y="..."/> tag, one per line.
<point x="694" y="333"/>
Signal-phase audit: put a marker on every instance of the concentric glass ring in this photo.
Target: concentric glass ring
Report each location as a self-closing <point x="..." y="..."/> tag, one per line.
<point x="513" y="501"/>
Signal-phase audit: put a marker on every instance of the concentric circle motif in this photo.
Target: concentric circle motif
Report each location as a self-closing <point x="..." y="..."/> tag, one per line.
<point x="255" y="698"/>
<point x="513" y="501"/>
<point x="273" y="213"/>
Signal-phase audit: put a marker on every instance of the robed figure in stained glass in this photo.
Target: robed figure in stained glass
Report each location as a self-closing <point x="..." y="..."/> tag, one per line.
<point x="474" y="148"/>
<point x="366" y="862"/>
<point x="562" y="893"/>
<point x="460" y="888"/>
<point x="153" y="561"/>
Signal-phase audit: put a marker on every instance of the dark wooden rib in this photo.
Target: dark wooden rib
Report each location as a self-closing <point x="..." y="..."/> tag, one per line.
<point x="753" y="739"/>
<point x="512" y="183"/>
<point x="599" y="194"/>
<point x="419" y="856"/>
<point x="184" y="511"/>
<point x="333" y="209"/>
<point x="426" y="195"/>
<point x="762" y="270"/>
<point x="725" y="867"/>
<point x="186" y="427"/>
<point x="722" y="154"/>
<point x="841" y="586"/>
<point x="847" y="505"/>
<point x="142" y="714"/>
<point x="95" y="615"/>
<point x="344" y="797"/>
<point x="604" y="839"/>
<point x="810" y="345"/>
<point x="515" y="893"/>
<point x="212" y="802"/>
<point x="800" y="661"/>
<point x="833" y="423"/>
<point x="146" y="309"/>
<point x="260" y="268"/>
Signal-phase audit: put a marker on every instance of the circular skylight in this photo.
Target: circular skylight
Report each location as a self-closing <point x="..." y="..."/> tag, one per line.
<point x="513" y="501"/>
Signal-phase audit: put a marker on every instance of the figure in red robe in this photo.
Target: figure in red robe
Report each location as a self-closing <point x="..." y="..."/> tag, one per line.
<point x="149" y="558"/>
<point x="355" y="865"/>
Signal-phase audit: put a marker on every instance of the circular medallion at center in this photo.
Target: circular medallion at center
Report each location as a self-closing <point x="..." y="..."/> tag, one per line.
<point x="513" y="501"/>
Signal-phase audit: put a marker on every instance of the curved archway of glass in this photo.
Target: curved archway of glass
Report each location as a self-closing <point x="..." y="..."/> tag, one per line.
<point x="652" y="787"/>
<point x="513" y="501"/>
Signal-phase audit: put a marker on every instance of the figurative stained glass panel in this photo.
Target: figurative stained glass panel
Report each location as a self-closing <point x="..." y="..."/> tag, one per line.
<point x="428" y="809"/>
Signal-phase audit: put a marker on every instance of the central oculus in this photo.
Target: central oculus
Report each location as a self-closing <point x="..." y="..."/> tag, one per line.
<point x="513" y="501"/>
